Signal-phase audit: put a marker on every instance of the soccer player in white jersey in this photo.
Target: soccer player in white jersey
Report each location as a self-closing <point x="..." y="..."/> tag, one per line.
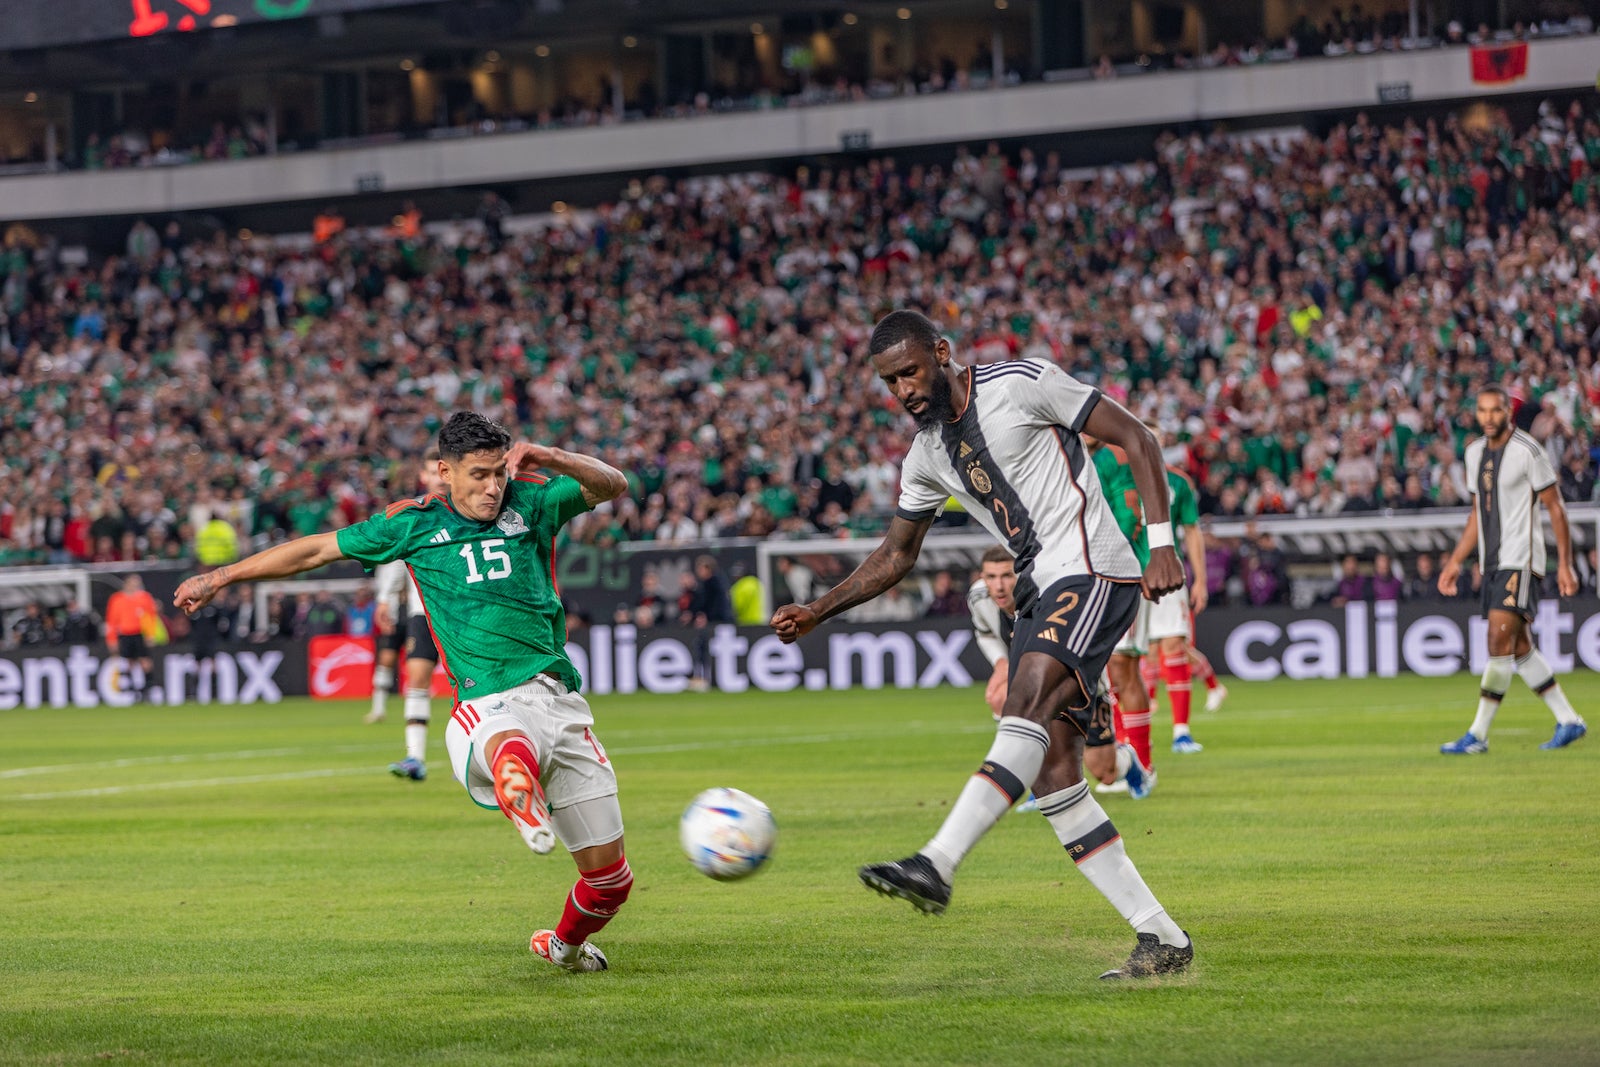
<point x="421" y="653"/>
<point x="1510" y="476"/>
<point x="991" y="605"/>
<point x="1004" y="441"/>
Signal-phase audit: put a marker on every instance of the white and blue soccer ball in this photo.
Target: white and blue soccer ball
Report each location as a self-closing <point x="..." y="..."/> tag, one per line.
<point x="727" y="834"/>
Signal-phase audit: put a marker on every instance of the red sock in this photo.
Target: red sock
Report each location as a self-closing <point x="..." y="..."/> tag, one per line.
<point x="1136" y="724"/>
<point x="1203" y="671"/>
<point x="1175" y="672"/>
<point x="1151" y="675"/>
<point x="1133" y="727"/>
<point x="594" y="900"/>
<point x="1116" y="719"/>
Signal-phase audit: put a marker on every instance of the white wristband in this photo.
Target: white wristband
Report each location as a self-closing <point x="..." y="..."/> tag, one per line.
<point x="1160" y="534"/>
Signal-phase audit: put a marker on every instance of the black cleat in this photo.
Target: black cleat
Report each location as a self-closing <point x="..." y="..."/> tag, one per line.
<point x="912" y="879"/>
<point x="1151" y="958"/>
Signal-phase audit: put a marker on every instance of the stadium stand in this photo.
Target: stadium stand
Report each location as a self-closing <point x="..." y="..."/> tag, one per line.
<point x="1315" y="310"/>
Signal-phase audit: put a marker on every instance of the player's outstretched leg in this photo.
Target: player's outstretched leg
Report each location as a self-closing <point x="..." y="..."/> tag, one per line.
<point x="1014" y="759"/>
<point x="516" y="788"/>
<point x="593" y="902"/>
<point x="1084" y="830"/>
<point x="592" y="828"/>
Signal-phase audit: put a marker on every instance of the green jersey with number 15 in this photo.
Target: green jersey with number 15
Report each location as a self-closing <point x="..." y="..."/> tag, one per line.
<point x="489" y="588"/>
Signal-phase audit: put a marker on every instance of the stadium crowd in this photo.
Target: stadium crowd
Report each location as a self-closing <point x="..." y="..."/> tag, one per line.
<point x="1306" y="319"/>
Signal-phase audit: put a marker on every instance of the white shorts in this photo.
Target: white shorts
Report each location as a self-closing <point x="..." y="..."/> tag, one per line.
<point x="1169" y="616"/>
<point x="573" y="767"/>
<point x="1137" y="640"/>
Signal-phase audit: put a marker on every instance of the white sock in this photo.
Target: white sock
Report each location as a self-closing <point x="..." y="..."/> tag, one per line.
<point x="1496" y="679"/>
<point x="1095" y="846"/>
<point x="418" y="711"/>
<point x="1012" y="764"/>
<point x="1124" y="761"/>
<point x="561" y="952"/>
<point x="1535" y="670"/>
<point x="382" y="683"/>
<point x="1180" y="730"/>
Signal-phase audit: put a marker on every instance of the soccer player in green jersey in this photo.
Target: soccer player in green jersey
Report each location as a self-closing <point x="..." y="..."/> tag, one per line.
<point x="1170" y="622"/>
<point x="520" y="739"/>
<point x="1131" y="697"/>
<point x="1166" y="621"/>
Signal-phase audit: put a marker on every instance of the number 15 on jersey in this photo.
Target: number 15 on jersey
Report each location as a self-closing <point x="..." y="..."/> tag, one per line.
<point x="496" y="564"/>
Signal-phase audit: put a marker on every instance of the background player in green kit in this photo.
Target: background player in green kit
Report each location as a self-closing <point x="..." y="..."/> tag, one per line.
<point x="1127" y="688"/>
<point x="482" y="555"/>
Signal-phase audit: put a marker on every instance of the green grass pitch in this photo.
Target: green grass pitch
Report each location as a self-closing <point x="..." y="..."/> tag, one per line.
<point x="248" y="885"/>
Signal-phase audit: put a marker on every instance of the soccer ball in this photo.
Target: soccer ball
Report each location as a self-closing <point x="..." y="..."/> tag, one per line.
<point x="727" y="834"/>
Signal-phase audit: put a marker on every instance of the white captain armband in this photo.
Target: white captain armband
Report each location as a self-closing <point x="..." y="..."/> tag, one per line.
<point x="1160" y="535"/>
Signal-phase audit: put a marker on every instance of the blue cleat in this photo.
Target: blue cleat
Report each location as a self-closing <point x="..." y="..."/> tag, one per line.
<point x="1468" y="745"/>
<point x="1566" y="733"/>
<point x="1140" y="781"/>
<point x="1186" y="745"/>
<point x="411" y="768"/>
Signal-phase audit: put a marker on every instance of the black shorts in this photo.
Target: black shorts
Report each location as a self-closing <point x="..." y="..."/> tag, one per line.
<point x="419" y="640"/>
<point x="132" y="646"/>
<point x="1513" y="591"/>
<point x="394" y="640"/>
<point x="1077" y="622"/>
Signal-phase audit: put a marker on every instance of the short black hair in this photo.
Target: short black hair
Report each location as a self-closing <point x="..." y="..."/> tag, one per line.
<point x="997" y="554"/>
<point x="468" y="432"/>
<point x="1497" y="390"/>
<point x="898" y="326"/>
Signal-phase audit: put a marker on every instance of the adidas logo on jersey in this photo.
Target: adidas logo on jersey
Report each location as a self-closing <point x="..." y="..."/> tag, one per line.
<point x="965" y="450"/>
<point x="439" y="538"/>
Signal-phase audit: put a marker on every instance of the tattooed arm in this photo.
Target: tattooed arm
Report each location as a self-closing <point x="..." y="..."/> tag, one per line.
<point x="280" y="561"/>
<point x="600" y="481"/>
<point x="879" y="572"/>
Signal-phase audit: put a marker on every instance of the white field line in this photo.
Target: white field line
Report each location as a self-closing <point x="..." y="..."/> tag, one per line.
<point x="194" y="757"/>
<point x="290" y="776"/>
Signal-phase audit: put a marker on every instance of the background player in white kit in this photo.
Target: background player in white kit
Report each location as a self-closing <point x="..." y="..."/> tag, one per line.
<point x="1004" y="441"/>
<point x="991" y="605"/>
<point x="419" y="652"/>
<point x="1510" y="476"/>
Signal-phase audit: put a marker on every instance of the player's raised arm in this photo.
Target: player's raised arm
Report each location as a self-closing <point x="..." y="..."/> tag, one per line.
<point x="600" y="480"/>
<point x="281" y="561"/>
<point x="889" y="563"/>
<point x="1566" y="576"/>
<point x="1115" y="425"/>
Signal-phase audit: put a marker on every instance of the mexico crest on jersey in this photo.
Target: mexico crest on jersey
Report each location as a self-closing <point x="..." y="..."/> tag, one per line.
<point x="512" y="523"/>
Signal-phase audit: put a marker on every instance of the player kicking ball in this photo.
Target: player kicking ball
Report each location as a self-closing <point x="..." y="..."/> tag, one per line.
<point x="1510" y="476"/>
<point x="520" y="739"/>
<point x="1003" y="439"/>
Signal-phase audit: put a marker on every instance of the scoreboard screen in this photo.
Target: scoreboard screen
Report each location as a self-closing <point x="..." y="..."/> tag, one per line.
<point x="40" y="23"/>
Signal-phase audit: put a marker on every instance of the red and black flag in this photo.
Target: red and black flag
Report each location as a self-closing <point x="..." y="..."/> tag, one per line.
<point x="1496" y="64"/>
